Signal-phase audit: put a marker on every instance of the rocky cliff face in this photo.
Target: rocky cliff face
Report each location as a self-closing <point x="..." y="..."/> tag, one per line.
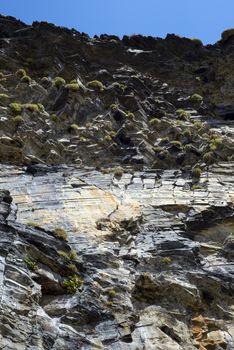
<point x="116" y="200"/>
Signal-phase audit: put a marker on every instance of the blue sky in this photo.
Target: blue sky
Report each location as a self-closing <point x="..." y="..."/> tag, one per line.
<point x="204" y="19"/>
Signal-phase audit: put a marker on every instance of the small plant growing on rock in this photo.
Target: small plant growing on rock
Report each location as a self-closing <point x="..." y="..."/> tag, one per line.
<point x="208" y="157"/>
<point x="72" y="284"/>
<point x="60" y="233"/>
<point x="73" y="128"/>
<point x="118" y="172"/>
<point x="111" y="292"/>
<point x="72" y="267"/>
<point x="58" y="82"/>
<point x="198" y="42"/>
<point x="130" y="115"/>
<point x="196" y="172"/>
<point x="154" y="122"/>
<point x="188" y="147"/>
<point x="4" y="97"/>
<point x="18" y="119"/>
<point x="95" y="84"/>
<point x="20" y="73"/>
<point x="33" y="224"/>
<point x="227" y="34"/>
<point x="187" y="133"/>
<point x="196" y="98"/>
<point x="26" y="79"/>
<point x="54" y="118"/>
<point x="166" y="260"/>
<point x="196" y="187"/>
<point x="182" y="114"/>
<point x="16" y="108"/>
<point x="32" y="107"/>
<point x="72" y="255"/>
<point x="31" y="264"/>
<point x="73" y="87"/>
<point x="177" y="144"/>
<point x="114" y="107"/>
<point x="107" y="138"/>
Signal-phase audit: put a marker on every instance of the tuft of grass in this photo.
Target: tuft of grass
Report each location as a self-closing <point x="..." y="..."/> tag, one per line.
<point x="118" y="172"/>
<point x="16" y="108"/>
<point x="54" y="118"/>
<point x="58" y="82"/>
<point x="130" y="115"/>
<point x="72" y="267"/>
<point x="72" y="255"/>
<point x="196" y="172"/>
<point x="18" y="119"/>
<point x="111" y="292"/>
<point x="73" y="127"/>
<point x="196" y="98"/>
<point x="20" y="73"/>
<point x="182" y="113"/>
<point x="72" y="284"/>
<point x="31" y="264"/>
<point x="72" y="86"/>
<point x="208" y="157"/>
<point x="177" y="144"/>
<point x="154" y="122"/>
<point x="26" y="79"/>
<point x="60" y="233"/>
<point x="166" y="260"/>
<point x="227" y="34"/>
<point x="95" y="84"/>
<point x="33" y="224"/>
<point x="198" y="42"/>
<point x="4" y="97"/>
<point x="114" y="107"/>
<point x="196" y="187"/>
<point x="32" y="107"/>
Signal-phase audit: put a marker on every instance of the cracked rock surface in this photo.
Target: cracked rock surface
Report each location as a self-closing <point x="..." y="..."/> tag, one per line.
<point x="116" y="197"/>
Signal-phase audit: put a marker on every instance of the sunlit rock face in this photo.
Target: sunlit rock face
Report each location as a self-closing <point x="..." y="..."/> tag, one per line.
<point x="116" y="191"/>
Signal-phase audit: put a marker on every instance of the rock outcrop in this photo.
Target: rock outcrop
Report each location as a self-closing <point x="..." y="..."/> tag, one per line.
<point x="116" y="191"/>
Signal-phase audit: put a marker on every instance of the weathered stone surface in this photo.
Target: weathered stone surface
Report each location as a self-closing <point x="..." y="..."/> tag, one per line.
<point x="116" y="191"/>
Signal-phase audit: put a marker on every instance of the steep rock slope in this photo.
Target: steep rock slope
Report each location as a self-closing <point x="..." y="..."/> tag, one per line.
<point x="116" y="191"/>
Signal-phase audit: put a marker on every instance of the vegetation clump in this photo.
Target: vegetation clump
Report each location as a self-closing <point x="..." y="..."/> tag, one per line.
<point x="54" y="118"/>
<point x="26" y="79"/>
<point x="18" y="119"/>
<point x="227" y="34"/>
<point x="196" y="172"/>
<point x="208" y="157"/>
<point x="182" y="113"/>
<point x="72" y="86"/>
<point x="130" y="115"/>
<point x="31" y="264"/>
<point x="196" y="98"/>
<point x="111" y="292"/>
<point x="154" y="122"/>
<point x="72" y="284"/>
<point x="95" y="84"/>
<point x="166" y="260"/>
<point x="58" y="82"/>
<point x="32" y="107"/>
<point x="72" y="255"/>
<point x="60" y="233"/>
<point x="33" y="224"/>
<point x="20" y="73"/>
<point x="114" y="107"/>
<point x="73" y="127"/>
<point x="16" y="108"/>
<point x="118" y="172"/>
